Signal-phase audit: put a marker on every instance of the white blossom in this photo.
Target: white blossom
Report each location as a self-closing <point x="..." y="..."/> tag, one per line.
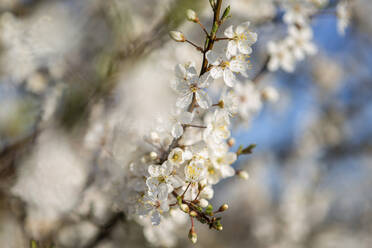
<point x="226" y="67"/>
<point x="195" y="170"/>
<point x="343" y="16"/>
<point x="188" y="83"/>
<point x="280" y="56"/>
<point x="179" y="117"/>
<point x="155" y="203"/>
<point x="162" y="175"/>
<point x="178" y="156"/>
<point x="217" y="127"/>
<point x="249" y="100"/>
<point x="300" y="42"/>
<point x="241" y="39"/>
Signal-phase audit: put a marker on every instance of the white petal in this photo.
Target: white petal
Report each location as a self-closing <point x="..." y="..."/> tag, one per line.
<point x="216" y="72"/>
<point x="229" y="32"/>
<point x="152" y="183"/>
<point x="203" y="99"/>
<point x="177" y="130"/>
<point x="180" y="86"/>
<point x="154" y="170"/>
<point x="242" y="27"/>
<point x="229" y="77"/>
<point x="252" y="37"/>
<point x="184" y="101"/>
<point x="273" y="63"/>
<point x="238" y="65"/>
<point x="272" y="47"/>
<point x="230" y="157"/>
<point x="191" y="70"/>
<point x="232" y="47"/>
<point x="310" y="48"/>
<point x="180" y="71"/>
<point x="163" y="192"/>
<point x="298" y="53"/>
<point x="166" y="168"/>
<point x="164" y="206"/>
<point x="212" y="57"/>
<point x="228" y="171"/>
<point x="244" y="47"/>
<point x="176" y="181"/>
<point x="155" y="218"/>
<point x="205" y="80"/>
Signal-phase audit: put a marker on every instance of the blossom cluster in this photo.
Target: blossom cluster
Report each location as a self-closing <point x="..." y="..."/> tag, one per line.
<point x="189" y="151"/>
<point x="298" y="43"/>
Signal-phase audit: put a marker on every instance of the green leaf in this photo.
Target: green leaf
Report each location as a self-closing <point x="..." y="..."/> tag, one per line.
<point x="247" y="150"/>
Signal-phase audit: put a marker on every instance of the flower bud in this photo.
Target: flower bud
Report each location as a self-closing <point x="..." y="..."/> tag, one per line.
<point x="153" y="155"/>
<point x="243" y="174"/>
<point x="193" y="213"/>
<point x="231" y="142"/>
<point x="203" y="203"/>
<point x="191" y="16"/>
<point x="223" y="207"/>
<point x="270" y="94"/>
<point x="177" y="36"/>
<point x="219" y="228"/>
<point x="185" y="208"/>
<point x="193" y="236"/>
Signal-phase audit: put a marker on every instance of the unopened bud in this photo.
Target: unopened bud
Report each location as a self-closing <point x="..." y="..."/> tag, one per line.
<point x="185" y="208"/>
<point x="177" y="36"/>
<point x="203" y="203"/>
<point x="191" y="16"/>
<point x="270" y="94"/>
<point x="231" y="142"/>
<point x="193" y="236"/>
<point x="243" y="174"/>
<point x="219" y="228"/>
<point x="193" y="213"/>
<point x="223" y="207"/>
<point x="153" y="155"/>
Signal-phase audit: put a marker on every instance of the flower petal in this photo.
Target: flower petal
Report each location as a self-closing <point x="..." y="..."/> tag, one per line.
<point x="185" y="100"/>
<point x="205" y="80"/>
<point x="155" y="218"/>
<point x="216" y="72"/>
<point x="228" y="77"/>
<point x="229" y="32"/>
<point x="203" y="99"/>
<point x="177" y="130"/>
<point x="232" y="48"/>
<point x="212" y="57"/>
<point x="242" y="27"/>
<point x="244" y="47"/>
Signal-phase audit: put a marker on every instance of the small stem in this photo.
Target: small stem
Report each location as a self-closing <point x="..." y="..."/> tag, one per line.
<point x="194" y="45"/>
<point x="210" y="40"/>
<point x="192" y="125"/>
<point x="192" y="222"/>
<point x="203" y="28"/>
<point x="222" y="38"/>
<point x="185" y="190"/>
<point x="198" y="194"/>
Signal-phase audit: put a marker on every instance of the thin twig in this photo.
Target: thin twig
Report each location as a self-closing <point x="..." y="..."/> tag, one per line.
<point x="194" y="45"/>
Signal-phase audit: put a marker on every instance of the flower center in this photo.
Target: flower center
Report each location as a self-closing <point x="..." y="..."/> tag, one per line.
<point x="193" y="88"/>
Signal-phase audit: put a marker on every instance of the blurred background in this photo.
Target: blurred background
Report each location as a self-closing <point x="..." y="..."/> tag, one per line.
<point x="81" y="82"/>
